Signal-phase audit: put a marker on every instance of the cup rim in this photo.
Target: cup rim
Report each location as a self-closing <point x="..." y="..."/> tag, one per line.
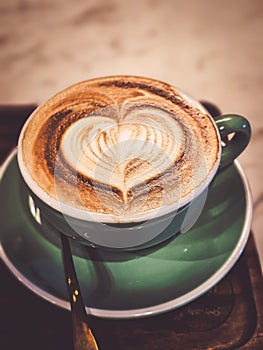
<point x="88" y="216"/>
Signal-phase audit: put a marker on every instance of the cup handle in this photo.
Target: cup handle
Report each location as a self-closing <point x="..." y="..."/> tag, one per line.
<point x="232" y="147"/>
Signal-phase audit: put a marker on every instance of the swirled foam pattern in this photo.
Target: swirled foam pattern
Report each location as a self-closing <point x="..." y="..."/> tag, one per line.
<point x="120" y="146"/>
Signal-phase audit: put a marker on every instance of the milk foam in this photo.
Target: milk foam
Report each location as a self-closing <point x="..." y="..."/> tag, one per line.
<point x="119" y="146"/>
<point x="102" y="149"/>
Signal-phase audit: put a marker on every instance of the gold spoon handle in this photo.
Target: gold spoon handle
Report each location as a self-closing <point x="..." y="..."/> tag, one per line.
<point x="82" y="334"/>
<point x="83" y="337"/>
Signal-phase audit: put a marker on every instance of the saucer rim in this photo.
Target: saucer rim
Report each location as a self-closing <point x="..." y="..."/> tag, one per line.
<point x="159" y="308"/>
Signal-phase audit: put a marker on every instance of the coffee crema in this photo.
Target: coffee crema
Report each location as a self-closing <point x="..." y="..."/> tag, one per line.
<point x="121" y="146"/>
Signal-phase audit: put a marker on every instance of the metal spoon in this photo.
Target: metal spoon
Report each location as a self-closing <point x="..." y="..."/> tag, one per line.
<point x="82" y="334"/>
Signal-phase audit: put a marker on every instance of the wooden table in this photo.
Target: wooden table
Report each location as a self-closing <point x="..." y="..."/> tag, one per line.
<point x="230" y="316"/>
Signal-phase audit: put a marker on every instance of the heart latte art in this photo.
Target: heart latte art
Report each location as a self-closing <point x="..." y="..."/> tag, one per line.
<point x="121" y="147"/>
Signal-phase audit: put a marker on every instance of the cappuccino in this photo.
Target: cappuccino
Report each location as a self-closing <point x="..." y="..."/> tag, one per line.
<point x="120" y="148"/>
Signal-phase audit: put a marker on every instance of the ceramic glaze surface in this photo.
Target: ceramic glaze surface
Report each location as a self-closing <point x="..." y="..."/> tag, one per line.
<point x="128" y="284"/>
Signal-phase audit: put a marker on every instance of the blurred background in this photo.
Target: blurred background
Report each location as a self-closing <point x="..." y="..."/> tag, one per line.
<point x="211" y="49"/>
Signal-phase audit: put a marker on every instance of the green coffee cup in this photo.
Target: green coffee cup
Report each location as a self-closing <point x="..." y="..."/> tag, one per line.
<point x="169" y="150"/>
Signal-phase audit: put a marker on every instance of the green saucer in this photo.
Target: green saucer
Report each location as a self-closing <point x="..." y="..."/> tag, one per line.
<point x="127" y="284"/>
